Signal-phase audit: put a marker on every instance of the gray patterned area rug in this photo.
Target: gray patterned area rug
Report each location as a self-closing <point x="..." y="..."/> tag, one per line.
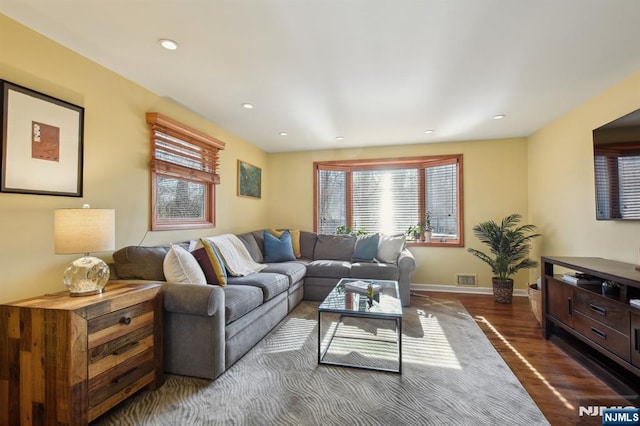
<point x="451" y="375"/>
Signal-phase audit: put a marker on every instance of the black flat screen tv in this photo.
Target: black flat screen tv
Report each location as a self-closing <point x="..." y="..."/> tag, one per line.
<point x="616" y="159"/>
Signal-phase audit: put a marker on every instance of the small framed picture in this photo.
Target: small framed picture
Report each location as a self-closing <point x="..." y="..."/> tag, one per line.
<point x="249" y="180"/>
<point x="42" y="143"/>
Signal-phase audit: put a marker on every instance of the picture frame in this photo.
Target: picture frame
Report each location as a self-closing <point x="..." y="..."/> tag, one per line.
<point x="249" y="180"/>
<point x="42" y="143"/>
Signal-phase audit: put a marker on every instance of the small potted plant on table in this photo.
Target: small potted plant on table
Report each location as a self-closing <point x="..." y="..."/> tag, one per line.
<point x="415" y="232"/>
<point x="509" y="245"/>
<point x="427" y="227"/>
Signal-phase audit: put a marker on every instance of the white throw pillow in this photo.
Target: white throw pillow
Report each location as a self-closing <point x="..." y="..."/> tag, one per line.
<point x="181" y="267"/>
<point x="389" y="248"/>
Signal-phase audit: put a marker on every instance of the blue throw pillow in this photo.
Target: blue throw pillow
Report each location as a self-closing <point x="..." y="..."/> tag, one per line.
<point x="366" y="248"/>
<point x="278" y="249"/>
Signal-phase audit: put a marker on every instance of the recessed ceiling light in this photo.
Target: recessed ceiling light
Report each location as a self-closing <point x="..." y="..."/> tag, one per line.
<point x="339" y="138"/>
<point x="428" y="131"/>
<point x="247" y="105"/>
<point x="499" y="116"/>
<point x="283" y="133"/>
<point x="168" y="44"/>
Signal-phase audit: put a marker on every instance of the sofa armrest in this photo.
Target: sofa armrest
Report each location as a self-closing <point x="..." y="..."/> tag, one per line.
<point x="406" y="261"/>
<point x="193" y="299"/>
<point x="406" y="266"/>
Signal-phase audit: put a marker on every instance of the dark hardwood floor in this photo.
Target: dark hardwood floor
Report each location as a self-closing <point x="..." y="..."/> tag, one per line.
<point x="556" y="382"/>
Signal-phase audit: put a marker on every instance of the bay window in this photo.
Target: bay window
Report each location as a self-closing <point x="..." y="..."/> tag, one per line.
<point x="390" y="195"/>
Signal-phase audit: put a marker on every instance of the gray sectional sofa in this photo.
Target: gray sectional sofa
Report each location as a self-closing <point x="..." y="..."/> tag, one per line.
<point x="207" y="328"/>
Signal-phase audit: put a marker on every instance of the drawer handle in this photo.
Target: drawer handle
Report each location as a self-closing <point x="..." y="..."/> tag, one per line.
<point x="598" y="309"/>
<point x="125" y="320"/>
<point x="570" y="306"/>
<point x="123" y="375"/>
<point x="125" y="348"/>
<point x="599" y="333"/>
<point x="636" y="343"/>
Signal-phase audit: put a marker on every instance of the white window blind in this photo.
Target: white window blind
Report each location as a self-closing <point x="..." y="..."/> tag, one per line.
<point x="332" y="196"/>
<point x="385" y="200"/>
<point x="441" y="195"/>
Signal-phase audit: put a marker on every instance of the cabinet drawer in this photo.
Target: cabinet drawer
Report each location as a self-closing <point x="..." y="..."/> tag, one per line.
<point x="116" y="384"/>
<point x="603" y="310"/>
<point x="115" y="352"/>
<point x="605" y="336"/>
<point x="109" y="327"/>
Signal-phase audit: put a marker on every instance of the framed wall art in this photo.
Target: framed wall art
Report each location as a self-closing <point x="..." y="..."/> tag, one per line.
<point x="42" y="143"/>
<point x="249" y="180"/>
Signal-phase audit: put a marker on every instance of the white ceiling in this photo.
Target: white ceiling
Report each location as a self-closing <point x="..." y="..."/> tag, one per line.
<point x="376" y="72"/>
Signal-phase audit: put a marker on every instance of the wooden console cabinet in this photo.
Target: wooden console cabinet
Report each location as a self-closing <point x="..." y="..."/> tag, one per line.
<point x="607" y="324"/>
<point x="67" y="360"/>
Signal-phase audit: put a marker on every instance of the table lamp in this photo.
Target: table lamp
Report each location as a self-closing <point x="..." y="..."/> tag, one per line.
<point x="84" y="231"/>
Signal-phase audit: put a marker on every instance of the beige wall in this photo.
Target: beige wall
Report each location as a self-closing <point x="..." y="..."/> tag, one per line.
<point x="561" y="181"/>
<point x="548" y="177"/>
<point x="495" y="184"/>
<point x="116" y="172"/>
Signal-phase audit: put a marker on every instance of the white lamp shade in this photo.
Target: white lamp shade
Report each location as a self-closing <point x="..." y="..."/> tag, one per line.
<point x="84" y="230"/>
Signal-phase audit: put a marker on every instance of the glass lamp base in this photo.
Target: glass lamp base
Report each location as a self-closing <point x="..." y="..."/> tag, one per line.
<point x="85" y="276"/>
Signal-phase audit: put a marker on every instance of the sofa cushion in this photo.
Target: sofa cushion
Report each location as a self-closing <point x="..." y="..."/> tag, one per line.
<point x="366" y="248"/>
<point x="390" y="247"/>
<point x="181" y="267"/>
<point x="329" y="269"/>
<point x="307" y="244"/>
<point x="141" y="263"/>
<point x="249" y="240"/>
<point x="378" y="271"/>
<point x="295" y="271"/>
<point x="239" y="300"/>
<point x="211" y="263"/>
<point x="271" y="284"/>
<point x="295" y="239"/>
<point x="278" y="249"/>
<point x="334" y="247"/>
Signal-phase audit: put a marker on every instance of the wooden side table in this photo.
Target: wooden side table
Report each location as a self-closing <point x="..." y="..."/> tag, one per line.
<point x="67" y="360"/>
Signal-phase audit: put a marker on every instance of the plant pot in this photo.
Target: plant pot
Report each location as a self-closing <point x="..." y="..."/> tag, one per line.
<point x="427" y="236"/>
<point x="502" y="290"/>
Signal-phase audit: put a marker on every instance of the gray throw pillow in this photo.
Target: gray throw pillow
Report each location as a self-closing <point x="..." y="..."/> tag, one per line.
<point x="334" y="247"/>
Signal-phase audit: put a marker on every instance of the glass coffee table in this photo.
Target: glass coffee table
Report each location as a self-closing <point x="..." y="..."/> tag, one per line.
<point x="368" y="344"/>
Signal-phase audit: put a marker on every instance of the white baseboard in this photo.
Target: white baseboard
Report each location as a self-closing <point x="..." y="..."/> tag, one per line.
<point x="460" y="289"/>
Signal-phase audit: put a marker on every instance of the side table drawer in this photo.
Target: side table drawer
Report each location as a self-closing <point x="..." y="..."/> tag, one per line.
<point x="115" y="385"/>
<point x="108" y="327"/>
<point x="121" y="355"/>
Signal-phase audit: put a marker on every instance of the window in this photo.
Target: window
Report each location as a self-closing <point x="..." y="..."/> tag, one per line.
<point x="390" y="195"/>
<point x="183" y="175"/>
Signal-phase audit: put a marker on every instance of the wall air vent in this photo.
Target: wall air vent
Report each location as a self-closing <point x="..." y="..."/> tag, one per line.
<point x="467" y="280"/>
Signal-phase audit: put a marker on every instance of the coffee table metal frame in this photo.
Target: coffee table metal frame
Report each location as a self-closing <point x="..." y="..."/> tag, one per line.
<point x="385" y="306"/>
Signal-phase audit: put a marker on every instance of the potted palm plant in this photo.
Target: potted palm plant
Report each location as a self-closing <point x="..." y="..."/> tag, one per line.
<point x="509" y="244"/>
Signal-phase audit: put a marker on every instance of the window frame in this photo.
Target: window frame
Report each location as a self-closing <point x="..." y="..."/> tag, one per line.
<point x="419" y="163"/>
<point x="206" y="176"/>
